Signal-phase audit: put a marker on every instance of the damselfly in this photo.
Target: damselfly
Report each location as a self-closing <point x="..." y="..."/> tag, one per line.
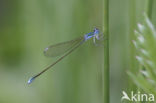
<point x="66" y="48"/>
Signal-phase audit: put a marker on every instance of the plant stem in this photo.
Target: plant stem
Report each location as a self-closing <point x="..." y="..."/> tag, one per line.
<point x="106" y="51"/>
<point x="148" y="9"/>
<point x="132" y="26"/>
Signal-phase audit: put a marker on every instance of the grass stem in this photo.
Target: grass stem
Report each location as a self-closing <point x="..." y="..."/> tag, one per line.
<point x="106" y="51"/>
<point x="148" y="9"/>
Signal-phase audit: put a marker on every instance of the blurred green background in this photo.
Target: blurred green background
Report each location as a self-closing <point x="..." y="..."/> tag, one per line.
<point x="28" y="26"/>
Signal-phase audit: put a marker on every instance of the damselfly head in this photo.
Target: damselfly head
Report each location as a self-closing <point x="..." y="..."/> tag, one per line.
<point x="96" y="31"/>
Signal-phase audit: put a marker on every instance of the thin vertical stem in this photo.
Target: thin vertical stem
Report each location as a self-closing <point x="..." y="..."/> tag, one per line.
<point x="132" y="26"/>
<point x="149" y="7"/>
<point x="133" y="64"/>
<point x="106" y="51"/>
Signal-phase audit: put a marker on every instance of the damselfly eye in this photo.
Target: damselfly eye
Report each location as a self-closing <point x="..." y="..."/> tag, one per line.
<point x="96" y="31"/>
